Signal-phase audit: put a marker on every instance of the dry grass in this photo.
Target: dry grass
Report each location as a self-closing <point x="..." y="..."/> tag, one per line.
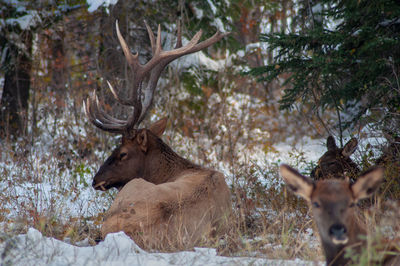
<point x="269" y="221"/>
<point x="45" y="182"/>
<point x="36" y="193"/>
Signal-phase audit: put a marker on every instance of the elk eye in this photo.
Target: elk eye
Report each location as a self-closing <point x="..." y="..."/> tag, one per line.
<point x="122" y="155"/>
<point x="316" y="204"/>
<point x="352" y="205"/>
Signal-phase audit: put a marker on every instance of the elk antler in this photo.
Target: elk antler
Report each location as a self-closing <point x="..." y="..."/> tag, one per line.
<point x="153" y="68"/>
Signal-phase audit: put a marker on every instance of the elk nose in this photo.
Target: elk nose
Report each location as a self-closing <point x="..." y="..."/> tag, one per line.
<point x="338" y="231"/>
<point x="93" y="183"/>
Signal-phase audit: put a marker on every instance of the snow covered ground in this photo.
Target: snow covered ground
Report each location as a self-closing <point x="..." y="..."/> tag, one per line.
<point x="117" y="249"/>
<point x="40" y="187"/>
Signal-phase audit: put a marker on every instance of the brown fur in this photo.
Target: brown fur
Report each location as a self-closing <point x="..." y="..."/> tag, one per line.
<point x="172" y="215"/>
<point x="336" y="162"/>
<point x="332" y="202"/>
<point x="166" y="202"/>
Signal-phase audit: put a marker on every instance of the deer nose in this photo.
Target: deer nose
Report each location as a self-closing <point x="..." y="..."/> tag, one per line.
<point x="338" y="231"/>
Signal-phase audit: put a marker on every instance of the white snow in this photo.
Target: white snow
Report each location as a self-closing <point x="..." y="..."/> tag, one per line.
<point x="29" y="20"/>
<point x="95" y="4"/>
<point x="388" y="22"/>
<point x="117" y="249"/>
<point x="198" y="12"/>
<point x="218" y="24"/>
<point x="317" y="8"/>
<point x="212" y="6"/>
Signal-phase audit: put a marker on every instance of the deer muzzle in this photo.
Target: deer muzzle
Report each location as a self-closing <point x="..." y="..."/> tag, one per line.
<point x="338" y="234"/>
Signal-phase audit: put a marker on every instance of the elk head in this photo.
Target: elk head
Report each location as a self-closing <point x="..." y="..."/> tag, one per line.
<point x="130" y="159"/>
<point x="336" y="161"/>
<point x="332" y="202"/>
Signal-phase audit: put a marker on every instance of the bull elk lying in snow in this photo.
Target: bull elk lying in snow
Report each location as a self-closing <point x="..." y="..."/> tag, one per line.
<point x="165" y="202"/>
<point x="333" y="206"/>
<point x="336" y="161"/>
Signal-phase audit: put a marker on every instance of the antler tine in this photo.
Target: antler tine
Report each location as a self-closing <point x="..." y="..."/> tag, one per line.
<point x="104" y="117"/>
<point x="132" y="119"/>
<point x="210" y="41"/>
<point x="179" y="37"/>
<point x="165" y="57"/>
<point x="131" y="58"/>
<point x="151" y="37"/>
<point x="137" y="69"/>
<point x="94" y="116"/>
<point x="114" y="93"/>
<point x="153" y="68"/>
<point x="158" y="42"/>
<point x="160" y="60"/>
<point x="168" y="56"/>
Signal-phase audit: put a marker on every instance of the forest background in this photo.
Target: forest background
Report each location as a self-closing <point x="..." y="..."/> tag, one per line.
<point x="290" y="73"/>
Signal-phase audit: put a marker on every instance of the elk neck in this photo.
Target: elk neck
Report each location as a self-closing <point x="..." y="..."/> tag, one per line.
<point x="164" y="165"/>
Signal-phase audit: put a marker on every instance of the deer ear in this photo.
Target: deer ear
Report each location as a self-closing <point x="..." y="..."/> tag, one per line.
<point x="367" y="183"/>
<point x="141" y="139"/>
<point x="158" y="128"/>
<point x="331" y="144"/>
<point x="350" y="147"/>
<point x="299" y="184"/>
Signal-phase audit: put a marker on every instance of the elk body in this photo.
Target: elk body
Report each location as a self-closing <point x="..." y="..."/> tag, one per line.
<point x="336" y="161"/>
<point x="165" y="202"/>
<point x="333" y="206"/>
<point x="390" y="160"/>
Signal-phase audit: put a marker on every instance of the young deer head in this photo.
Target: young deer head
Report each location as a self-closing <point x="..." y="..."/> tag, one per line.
<point x="332" y="202"/>
<point x="141" y="153"/>
<point x="336" y="161"/>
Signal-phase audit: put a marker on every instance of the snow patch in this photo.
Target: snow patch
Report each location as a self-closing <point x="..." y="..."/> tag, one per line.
<point x="198" y="12"/>
<point x="117" y="249"/>
<point x="29" y="20"/>
<point x="212" y="6"/>
<point x="95" y="4"/>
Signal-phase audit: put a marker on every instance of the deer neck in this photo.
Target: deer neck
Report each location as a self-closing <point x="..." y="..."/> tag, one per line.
<point x="335" y="254"/>
<point x="164" y="165"/>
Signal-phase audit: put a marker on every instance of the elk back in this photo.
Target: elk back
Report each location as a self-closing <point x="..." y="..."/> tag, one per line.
<point x="174" y="215"/>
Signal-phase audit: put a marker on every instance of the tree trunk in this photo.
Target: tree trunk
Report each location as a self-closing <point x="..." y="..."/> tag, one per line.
<point x="14" y="101"/>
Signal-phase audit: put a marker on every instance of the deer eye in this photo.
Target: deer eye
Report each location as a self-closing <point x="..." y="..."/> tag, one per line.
<point x="122" y="155"/>
<point x="316" y="204"/>
<point x="352" y="205"/>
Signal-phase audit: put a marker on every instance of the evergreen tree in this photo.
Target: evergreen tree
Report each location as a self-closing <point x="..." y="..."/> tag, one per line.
<point x="346" y="57"/>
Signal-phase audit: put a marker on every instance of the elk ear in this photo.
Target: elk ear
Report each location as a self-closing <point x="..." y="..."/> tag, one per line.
<point x="367" y="183"/>
<point x="141" y="139"/>
<point x="158" y="128"/>
<point x="331" y="144"/>
<point x="350" y="147"/>
<point x="299" y="184"/>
